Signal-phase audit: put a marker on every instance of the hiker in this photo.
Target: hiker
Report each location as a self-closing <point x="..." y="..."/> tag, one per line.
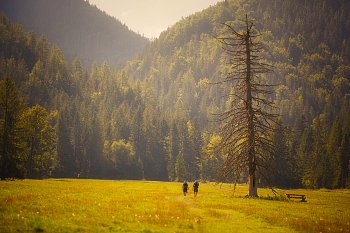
<point x="184" y="187"/>
<point x="195" y="188"/>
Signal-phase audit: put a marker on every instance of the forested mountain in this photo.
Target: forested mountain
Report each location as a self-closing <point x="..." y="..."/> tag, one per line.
<point x="153" y="118"/>
<point x="308" y="44"/>
<point x="50" y="113"/>
<point x="81" y="30"/>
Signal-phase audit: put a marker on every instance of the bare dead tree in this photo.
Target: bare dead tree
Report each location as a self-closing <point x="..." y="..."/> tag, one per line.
<point x="247" y="124"/>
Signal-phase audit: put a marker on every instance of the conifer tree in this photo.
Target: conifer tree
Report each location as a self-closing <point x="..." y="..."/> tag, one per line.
<point x="172" y="151"/>
<point x="11" y="105"/>
<point x="180" y="167"/>
<point x="94" y="148"/>
<point x="247" y="124"/>
<point x="65" y="147"/>
<point x="282" y="162"/>
<point x="343" y="156"/>
<point x="333" y="144"/>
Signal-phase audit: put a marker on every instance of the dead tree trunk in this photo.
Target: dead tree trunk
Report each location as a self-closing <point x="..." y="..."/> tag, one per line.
<point x="253" y="191"/>
<point x="246" y="125"/>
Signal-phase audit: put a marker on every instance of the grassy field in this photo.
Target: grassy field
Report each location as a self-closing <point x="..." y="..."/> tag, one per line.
<point x="67" y="205"/>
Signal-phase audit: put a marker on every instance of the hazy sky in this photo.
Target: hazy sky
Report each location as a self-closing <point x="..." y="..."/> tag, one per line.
<point x="151" y="17"/>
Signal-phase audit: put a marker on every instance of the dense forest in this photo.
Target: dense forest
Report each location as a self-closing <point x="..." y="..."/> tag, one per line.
<point x="78" y="28"/>
<point x="154" y="118"/>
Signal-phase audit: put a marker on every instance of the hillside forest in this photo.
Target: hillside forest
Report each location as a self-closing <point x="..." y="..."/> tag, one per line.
<point x="153" y="117"/>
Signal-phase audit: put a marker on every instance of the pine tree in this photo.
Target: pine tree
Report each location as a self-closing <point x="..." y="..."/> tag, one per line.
<point x="78" y="144"/>
<point x="137" y="137"/>
<point x="180" y="167"/>
<point x="68" y="167"/>
<point x="11" y="105"/>
<point x="94" y="148"/>
<point x="186" y="150"/>
<point x="343" y="156"/>
<point x="247" y="123"/>
<point x="172" y="151"/>
<point x="195" y="144"/>
<point x="319" y="166"/>
<point x="304" y="158"/>
<point x="333" y="144"/>
<point x="283" y="167"/>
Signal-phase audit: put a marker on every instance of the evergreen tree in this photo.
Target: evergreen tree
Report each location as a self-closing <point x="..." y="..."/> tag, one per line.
<point x="319" y="166"/>
<point x="172" y="151"/>
<point x="180" y="168"/>
<point x="11" y="105"/>
<point x="343" y="159"/>
<point x="304" y="156"/>
<point x="137" y="136"/>
<point x="283" y="173"/>
<point x="333" y="144"/>
<point x="94" y="148"/>
<point x="194" y="150"/>
<point x="65" y="150"/>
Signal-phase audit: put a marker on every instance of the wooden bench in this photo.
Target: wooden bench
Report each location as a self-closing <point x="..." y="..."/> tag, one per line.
<point x="298" y="196"/>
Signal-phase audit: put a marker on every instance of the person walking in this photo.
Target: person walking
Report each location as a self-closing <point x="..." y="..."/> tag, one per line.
<point x="195" y="187"/>
<point x="184" y="187"/>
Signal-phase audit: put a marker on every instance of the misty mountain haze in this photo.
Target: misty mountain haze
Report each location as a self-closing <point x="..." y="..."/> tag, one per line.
<point x="78" y="28"/>
<point x="151" y="17"/>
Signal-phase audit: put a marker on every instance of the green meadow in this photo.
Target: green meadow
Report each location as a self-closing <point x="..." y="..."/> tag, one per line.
<point x="71" y="205"/>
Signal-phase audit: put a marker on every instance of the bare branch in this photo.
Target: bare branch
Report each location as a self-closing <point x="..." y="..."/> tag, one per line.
<point x="247" y="125"/>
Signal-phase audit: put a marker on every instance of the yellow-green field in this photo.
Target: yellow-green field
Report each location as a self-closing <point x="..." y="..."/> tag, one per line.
<point x="67" y="205"/>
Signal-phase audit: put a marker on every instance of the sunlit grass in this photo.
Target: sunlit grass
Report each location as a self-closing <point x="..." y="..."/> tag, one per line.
<point x="67" y="205"/>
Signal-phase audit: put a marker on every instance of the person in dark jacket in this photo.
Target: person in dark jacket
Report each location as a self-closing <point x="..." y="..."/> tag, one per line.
<point x="195" y="187"/>
<point x="185" y="188"/>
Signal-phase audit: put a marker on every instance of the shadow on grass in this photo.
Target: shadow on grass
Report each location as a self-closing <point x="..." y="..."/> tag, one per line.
<point x="268" y="197"/>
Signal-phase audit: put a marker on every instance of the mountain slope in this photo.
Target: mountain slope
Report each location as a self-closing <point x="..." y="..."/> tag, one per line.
<point x="302" y="44"/>
<point x="80" y="29"/>
<point x="38" y="76"/>
<point x="308" y="44"/>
